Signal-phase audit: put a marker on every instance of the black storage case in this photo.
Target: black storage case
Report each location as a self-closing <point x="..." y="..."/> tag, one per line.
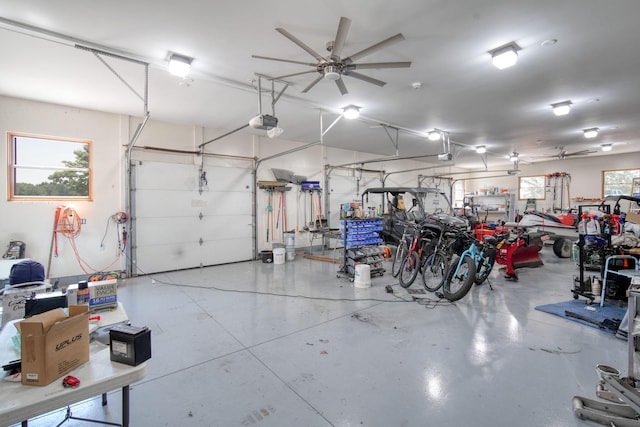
<point x="130" y="345"/>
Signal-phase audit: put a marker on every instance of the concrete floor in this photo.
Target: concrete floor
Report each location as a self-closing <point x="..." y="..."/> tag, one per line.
<point x="228" y="352"/>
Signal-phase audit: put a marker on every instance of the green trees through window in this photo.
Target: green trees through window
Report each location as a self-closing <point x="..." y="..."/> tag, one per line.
<point x="49" y="168"/>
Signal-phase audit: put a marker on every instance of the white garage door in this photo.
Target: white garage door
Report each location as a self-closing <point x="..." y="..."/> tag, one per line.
<point x="177" y="227"/>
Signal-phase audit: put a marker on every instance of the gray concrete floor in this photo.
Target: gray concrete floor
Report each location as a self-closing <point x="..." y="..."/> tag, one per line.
<point x="230" y="349"/>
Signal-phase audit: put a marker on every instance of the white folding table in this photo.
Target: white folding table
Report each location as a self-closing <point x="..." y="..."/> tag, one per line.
<point x="98" y="376"/>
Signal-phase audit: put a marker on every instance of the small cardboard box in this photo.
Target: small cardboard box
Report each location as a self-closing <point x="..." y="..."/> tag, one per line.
<point x="130" y="344"/>
<point x="14" y="300"/>
<point x="632" y="217"/>
<point x="53" y="344"/>
<point x="103" y="293"/>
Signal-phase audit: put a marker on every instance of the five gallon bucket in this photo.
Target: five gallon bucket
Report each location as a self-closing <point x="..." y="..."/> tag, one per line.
<point x="362" y="277"/>
<point x="279" y="255"/>
<point x="290" y="246"/>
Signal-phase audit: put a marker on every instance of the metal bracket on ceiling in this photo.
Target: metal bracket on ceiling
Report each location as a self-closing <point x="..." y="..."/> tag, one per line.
<point x="274" y="97"/>
<point x="99" y="53"/>
<point x="395" y="141"/>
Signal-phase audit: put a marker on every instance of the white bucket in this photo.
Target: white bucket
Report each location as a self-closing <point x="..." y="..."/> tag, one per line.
<point x="362" y="277"/>
<point x="279" y="255"/>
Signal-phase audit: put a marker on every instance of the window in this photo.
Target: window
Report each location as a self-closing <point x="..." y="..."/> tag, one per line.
<point x="49" y="168"/>
<point x="531" y="187"/>
<point x="458" y="194"/>
<point x="619" y="182"/>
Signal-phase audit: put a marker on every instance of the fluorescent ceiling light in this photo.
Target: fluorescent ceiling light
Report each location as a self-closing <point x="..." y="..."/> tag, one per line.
<point x="179" y="65"/>
<point x="591" y="133"/>
<point x="351" y="112"/>
<point x="561" y="108"/>
<point x="434" y="135"/>
<point x="481" y="149"/>
<point x="505" y="56"/>
<point x="606" y="147"/>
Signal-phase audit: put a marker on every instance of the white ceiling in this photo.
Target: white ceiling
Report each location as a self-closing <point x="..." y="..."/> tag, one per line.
<point x="594" y="64"/>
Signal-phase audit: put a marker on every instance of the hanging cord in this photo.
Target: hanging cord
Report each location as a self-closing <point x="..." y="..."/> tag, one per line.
<point x="69" y="224"/>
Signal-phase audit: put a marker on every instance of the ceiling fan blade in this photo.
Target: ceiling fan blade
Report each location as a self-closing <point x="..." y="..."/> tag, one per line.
<point x="365" y="78"/>
<point x="341" y="86"/>
<point x="579" y="153"/>
<point x="371" y="49"/>
<point x="284" y="60"/>
<point x="312" y="84"/>
<point x="378" y="65"/>
<point x="300" y="43"/>
<point x="341" y="36"/>
<point x="294" y="74"/>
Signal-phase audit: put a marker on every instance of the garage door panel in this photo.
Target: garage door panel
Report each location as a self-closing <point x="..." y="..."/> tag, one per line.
<point x="225" y="203"/>
<point x="225" y="179"/>
<point x="167" y="176"/>
<point x="169" y="257"/>
<point x="172" y="216"/>
<point x="154" y="231"/>
<point x="225" y="227"/>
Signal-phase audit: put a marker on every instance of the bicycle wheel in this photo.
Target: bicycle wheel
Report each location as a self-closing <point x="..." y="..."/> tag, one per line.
<point x="434" y="271"/>
<point x="459" y="280"/>
<point x="398" y="260"/>
<point x="409" y="270"/>
<point x="489" y="255"/>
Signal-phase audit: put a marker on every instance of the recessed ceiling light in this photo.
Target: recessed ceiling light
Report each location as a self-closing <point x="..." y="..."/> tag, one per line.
<point x="561" y="108"/>
<point x="606" y="147"/>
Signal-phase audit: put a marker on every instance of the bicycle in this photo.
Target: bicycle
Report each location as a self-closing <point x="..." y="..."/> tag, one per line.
<point x="481" y="255"/>
<point x="401" y="251"/>
<point x="436" y="264"/>
<point x="418" y="251"/>
<point x="460" y="278"/>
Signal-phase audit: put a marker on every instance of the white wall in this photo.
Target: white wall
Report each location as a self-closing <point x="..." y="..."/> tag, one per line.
<point x="32" y="222"/>
<point x="585" y="175"/>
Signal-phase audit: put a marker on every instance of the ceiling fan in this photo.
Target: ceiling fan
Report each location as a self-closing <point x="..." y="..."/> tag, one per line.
<point x="563" y="154"/>
<point x="334" y="66"/>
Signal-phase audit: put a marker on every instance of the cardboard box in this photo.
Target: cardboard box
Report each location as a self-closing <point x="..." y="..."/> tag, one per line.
<point x="14" y="300"/>
<point x="130" y="344"/>
<point x="632" y="217"/>
<point x="103" y="293"/>
<point x="53" y="344"/>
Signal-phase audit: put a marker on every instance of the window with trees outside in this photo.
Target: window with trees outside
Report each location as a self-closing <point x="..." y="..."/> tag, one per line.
<point x="531" y="187"/>
<point x="49" y="168"/>
<point x="619" y="182"/>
